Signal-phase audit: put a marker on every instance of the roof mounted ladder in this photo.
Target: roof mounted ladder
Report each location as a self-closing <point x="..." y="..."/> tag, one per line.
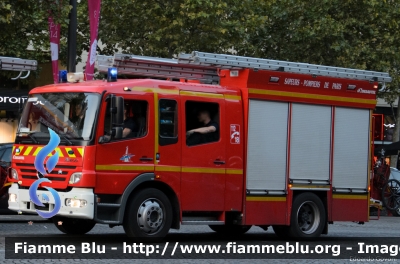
<point x="231" y="61"/>
<point x="158" y="68"/>
<point x="17" y="64"/>
<point x="204" y="67"/>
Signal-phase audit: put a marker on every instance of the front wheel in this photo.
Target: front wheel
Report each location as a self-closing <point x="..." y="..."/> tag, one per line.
<point x="73" y="226"/>
<point x="308" y="216"/>
<point x="233" y="230"/>
<point x="148" y="216"/>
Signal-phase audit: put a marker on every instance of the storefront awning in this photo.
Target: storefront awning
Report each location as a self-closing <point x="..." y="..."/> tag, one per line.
<point x="12" y="100"/>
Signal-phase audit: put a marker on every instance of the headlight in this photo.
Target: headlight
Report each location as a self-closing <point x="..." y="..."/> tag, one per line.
<point x="12" y="197"/>
<point x="75" y="177"/>
<point x="76" y="203"/>
<point x="14" y="174"/>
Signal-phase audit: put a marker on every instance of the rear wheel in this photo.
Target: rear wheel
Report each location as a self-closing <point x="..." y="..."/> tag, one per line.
<point x="233" y="230"/>
<point x="73" y="226"/>
<point x="308" y="216"/>
<point x="148" y="216"/>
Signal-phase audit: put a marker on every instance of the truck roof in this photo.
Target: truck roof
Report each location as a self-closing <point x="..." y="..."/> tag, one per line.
<point x="98" y="86"/>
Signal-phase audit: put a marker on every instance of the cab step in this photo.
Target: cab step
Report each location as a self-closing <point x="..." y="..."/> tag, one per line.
<point x="202" y="222"/>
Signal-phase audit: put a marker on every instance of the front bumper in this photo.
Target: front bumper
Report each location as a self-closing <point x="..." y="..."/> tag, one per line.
<point x="24" y="204"/>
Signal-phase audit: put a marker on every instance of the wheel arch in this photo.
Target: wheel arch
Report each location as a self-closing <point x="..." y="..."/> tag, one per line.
<point x="323" y="196"/>
<point x="147" y="180"/>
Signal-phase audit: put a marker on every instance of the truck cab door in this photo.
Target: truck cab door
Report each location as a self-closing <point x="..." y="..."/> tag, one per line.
<point x="203" y="157"/>
<point x="119" y="161"/>
<point x="168" y="140"/>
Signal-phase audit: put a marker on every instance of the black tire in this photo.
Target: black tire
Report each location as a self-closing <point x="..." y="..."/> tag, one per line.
<point x="281" y="231"/>
<point x="308" y="217"/>
<point x="391" y="194"/>
<point x="231" y="230"/>
<point x="156" y="205"/>
<point x="73" y="226"/>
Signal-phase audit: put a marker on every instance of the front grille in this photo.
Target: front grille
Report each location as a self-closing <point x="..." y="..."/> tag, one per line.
<point x="57" y="166"/>
<point x="60" y="172"/>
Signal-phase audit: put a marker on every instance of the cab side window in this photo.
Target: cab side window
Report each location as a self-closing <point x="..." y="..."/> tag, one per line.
<point x="202" y="123"/>
<point x="168" y="122"/>
<point x="135" y="119"/>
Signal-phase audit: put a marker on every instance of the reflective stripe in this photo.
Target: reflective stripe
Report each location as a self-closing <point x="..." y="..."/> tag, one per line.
<point x="125" y="167"/>
<point x="27" y="151"/>
<point x="70" y="155"/>
<point x="80" y="150"/>
<point x="234" y="171"/>
<point x="33" y="151"/>
<point x="350" y="196"/>
<point x="203" y="170"/>
<point x="20" y="150"/>
<point x="155" y="90"/>
<point x="233" y="97"/>
<point x="312" y="96"/>
<point x="156" y="127"/>
<point x="60" y="154"/>
<point x="307" y="186"/>
<point x="168" y="168"/>
<point x="191" y="93"/>
<point x="37" y="151"/>
<point x="265" y="199"/>
<point x="200" y="94"/>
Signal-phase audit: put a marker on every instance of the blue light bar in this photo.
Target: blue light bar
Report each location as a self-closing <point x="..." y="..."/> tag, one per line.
<point x="62" y="76"/>
<point x="112" y="75"/>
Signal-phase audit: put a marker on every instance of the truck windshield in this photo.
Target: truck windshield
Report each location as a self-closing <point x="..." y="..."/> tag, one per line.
<point x="71" y="115"/>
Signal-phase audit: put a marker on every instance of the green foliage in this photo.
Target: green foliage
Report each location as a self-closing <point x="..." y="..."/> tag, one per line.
<point x="25" y="33"/>
<point x="360" y="34"/>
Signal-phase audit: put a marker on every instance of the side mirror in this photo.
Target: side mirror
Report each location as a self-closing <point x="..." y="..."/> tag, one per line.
<point x="117" y="116"/>
<point x="117" y="110"/>
<point x="104" y="139"/>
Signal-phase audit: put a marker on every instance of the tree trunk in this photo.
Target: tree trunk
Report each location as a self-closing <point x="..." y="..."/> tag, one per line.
<point x="393" y="159"/>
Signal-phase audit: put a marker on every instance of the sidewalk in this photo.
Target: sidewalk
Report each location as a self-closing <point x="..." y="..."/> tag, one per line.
<point x="22" y="218"/>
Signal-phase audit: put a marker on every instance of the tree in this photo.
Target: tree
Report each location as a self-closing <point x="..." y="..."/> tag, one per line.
<point x="166" y="28"/>
<point x="25" y="31"/>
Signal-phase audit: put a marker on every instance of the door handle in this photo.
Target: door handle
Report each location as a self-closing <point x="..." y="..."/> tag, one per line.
<point x="219" y="162"/>
<point x="146" y="159"/>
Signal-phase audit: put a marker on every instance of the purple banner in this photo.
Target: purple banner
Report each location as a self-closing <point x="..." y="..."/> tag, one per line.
<point x="54" y="30"/>
<point x="94" y="17"/>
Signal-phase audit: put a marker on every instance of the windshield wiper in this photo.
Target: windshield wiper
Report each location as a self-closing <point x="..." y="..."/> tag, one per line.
<point x="33" y="138"/>
<point x="66" y="139"/>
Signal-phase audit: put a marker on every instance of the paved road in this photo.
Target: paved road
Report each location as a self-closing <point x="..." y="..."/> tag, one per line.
<point x="385" y="227"/>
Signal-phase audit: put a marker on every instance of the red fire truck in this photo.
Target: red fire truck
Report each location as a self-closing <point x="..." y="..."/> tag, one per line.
<point x="290" y="146"/>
